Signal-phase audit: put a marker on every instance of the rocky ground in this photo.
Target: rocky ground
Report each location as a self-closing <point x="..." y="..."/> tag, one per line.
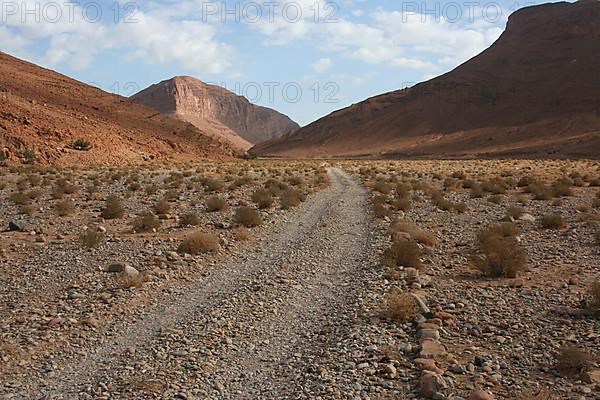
<point x="300" y="310"/>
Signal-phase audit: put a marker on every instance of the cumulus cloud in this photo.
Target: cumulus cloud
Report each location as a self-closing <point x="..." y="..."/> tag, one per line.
<point x="156" y="36"/>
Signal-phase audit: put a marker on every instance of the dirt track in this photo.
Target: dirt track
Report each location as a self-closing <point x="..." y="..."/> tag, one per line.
<point x="251" y="325"/>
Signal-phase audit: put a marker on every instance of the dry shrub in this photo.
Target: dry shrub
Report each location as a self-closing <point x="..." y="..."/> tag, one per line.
<point x="403" y="190"/>
<point x="552" y="221"/>
<point x="248" y="217"/>
<point x="380" y="210"/>
<point x="198" y="243"/>
<point x="593" y="298"/>
<point x="113" y="208"/>
<point x="91" y="238"/>
<point x="151" y="189"/>
<point x="19" y="198"/>
<point x="189" y="219"/>
<point x="27" y="209"/>
<point x="438" y="200"/>
<point x="495" y="199"/>
<point x="127" y="281"/>
<point x="539" y="191"/>
<point x="213" y="184"/>
<point x="65" y="207"/>
<point x="400" y="307"/>
<point x="162" y="207"/>
<point x="460" y="208"/>
<point x="420" y="235"/>
<point x="498" y="252"/>
<point x="562" y="188"/>
<point x="146" y="222"/>
<point x="540" y="394"/>
<point x="290" y="198"/>
<point x="263" y="198"/>
<point x="216" y="203"/>
<point x="571" y="361"/>
<point x="242" y="234"/>
<point x="382" y="187"/>
<point x="34" y="194"/>
<point x="515" y="211"/>
<point x="405" y="253"/>
<point x="402" y="203"/>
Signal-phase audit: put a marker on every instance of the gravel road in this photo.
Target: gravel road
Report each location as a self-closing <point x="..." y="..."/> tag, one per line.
<point x="249" y="327"/>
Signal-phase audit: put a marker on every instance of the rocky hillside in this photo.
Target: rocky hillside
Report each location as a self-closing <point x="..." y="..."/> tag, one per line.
<point x="217" y="111"/>
<point x="51" y="118"/>
<point x="534" y="93"/>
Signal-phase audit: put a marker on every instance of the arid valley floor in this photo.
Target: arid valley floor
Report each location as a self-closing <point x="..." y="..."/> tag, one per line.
<point x="270" y="279"/>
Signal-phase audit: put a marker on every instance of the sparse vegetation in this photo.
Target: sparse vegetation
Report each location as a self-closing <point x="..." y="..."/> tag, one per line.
<point x="198" y="243"/>
<point x="552" y="221"/>
<point x="248" y="217"/>
<point x="65" y="207"/>
<point x="400" y="307"/>
<point x="572" y="361"/>
<point x="498" y="252"/>
<point x="91" y="238"/>
<point x="189" y="219"/>
<point x="216" y="203"/>
<point x="146" y="222"/>
<point x="406" y="253"/>
<point x="113" y="208"/>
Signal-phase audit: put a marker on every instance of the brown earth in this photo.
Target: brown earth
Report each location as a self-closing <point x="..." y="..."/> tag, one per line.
<point x="533" y="93"/>
<point x="44" y="112"/>
<point x="215" y="110"/>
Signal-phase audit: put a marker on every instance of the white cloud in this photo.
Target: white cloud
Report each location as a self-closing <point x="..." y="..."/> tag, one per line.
<point x="156" y="37"/>
<point x="323" y="65"/>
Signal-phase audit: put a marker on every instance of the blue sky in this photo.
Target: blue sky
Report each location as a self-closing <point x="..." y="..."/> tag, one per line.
<point x="304" y="58"/>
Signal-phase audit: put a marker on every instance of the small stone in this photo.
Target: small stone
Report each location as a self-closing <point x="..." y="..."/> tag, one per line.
<point x="431" y="384"/>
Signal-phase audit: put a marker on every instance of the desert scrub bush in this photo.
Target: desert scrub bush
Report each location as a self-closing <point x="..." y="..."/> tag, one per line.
<point x="216" y="203"/>
<point x="189" y="219"/>
<point x="592" y="300"/>
<point x="113" y="208"/>
<point x="151" y="189"/>
<point x="380" y="210"/>
<point x="27" y="209"/>
<point x="290" y="198"/>
<point x="438" y="200"/>
<point x="146" y="222"/>
<point x="242" y="234"/>
<point x="64" y="208"/>
<point x="562" y="188"/>
<point x="382" y="186"/>
<point x="82" y="144"/>
<point x="552" y="221"/>
<point x="66" y="187"/>
<point x="91" y="238"/>
<point x="400" y="307"/>
<point x="459" y="175"/>
<point x="162" y="207"/>
<point x="262" y="198"/>
<point x="248" y="217"/>
<point x="498" y="253"/>
<point x="127" y="281"/>
<point x="402" y="203"/>
<point x="403" y="190"/>
<point x="515" y="212"/>
<point x="539" y="191"/>
<point x="406" y="253"/>
<point x="540" y="394"/>
<point x="572" y="361"/>
<point x="213" y="184"/>
<point x="199" y="243"/>
<point x="19" y="198"/>
<point x="460" y="208"/>
<point x="423" y="236"/>
<point x="296" y="180"/>
<point x="476" y="191"/>
<point x="495" y="199"/>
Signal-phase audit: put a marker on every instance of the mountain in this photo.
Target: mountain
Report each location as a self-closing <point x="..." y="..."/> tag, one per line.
<point x="217" y="111"/>
<point x="44" y="113"/>
<point x="534" y="93"/>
